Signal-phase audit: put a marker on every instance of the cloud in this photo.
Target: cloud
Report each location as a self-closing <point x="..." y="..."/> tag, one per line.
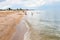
<point x="2" y="0"/>
<point x="50" y="6"/>
<point x="51" y="1"/>
<point x="8" y="3"/>
<point x="26" y="3"/>
<point x="34" y="3"/>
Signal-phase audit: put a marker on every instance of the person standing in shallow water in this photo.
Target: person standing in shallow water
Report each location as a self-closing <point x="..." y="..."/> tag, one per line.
<point x="31" y="13"/>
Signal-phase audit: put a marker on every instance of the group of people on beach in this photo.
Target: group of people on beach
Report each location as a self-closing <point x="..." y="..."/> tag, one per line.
<point x="31" y="13"/>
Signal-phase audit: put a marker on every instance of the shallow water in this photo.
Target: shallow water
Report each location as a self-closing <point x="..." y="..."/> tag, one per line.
<point x="45" y="22"/>
<point x="44" y="16"/>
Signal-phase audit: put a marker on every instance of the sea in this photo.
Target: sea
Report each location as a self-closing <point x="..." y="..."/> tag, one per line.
<point x="46" y="20"/>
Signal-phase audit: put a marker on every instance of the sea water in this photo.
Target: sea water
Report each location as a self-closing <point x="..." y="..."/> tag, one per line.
<point x="45" y="24"/>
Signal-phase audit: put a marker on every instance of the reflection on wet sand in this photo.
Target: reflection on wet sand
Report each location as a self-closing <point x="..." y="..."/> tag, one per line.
<point x="20" y="31"/>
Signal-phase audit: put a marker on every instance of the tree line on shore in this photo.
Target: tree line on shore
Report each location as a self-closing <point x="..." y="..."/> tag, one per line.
<point x="12" y="9"/>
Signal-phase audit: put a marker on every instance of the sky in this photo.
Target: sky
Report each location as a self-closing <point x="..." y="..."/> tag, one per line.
<point x="30" y="4"/>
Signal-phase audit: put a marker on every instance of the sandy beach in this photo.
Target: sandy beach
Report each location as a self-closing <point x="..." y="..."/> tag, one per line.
<point x="8" y="22"/>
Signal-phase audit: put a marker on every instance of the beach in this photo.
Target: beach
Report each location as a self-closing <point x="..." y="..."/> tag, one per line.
<point x="8" y="22"/>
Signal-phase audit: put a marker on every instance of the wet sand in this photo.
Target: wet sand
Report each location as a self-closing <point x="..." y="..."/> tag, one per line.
<point x="20" y="31"/>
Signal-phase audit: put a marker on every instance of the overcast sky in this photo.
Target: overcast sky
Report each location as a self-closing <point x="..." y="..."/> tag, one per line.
<point x="31" y="4"/>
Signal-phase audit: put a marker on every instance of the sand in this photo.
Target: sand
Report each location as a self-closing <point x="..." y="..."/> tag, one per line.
<point x="8" y="22"/>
